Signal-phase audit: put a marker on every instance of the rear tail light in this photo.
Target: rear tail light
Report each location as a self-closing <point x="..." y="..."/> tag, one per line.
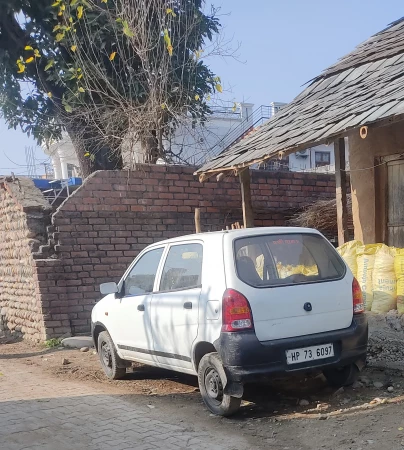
<point x="236" y="312"/>
<point x="358" y="305"/>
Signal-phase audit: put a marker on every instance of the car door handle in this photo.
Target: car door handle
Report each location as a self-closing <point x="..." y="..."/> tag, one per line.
<point x="140" y="308"/>
<point x="188" y="305"/>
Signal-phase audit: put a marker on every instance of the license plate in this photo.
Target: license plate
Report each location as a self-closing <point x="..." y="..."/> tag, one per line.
<point x="301" y="355"/>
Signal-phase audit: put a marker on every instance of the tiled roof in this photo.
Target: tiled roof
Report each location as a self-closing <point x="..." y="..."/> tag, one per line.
<point x="364" y="87"/>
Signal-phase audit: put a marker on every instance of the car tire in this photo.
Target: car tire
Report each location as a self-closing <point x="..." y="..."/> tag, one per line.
<point x="342" y="376"/>
<point x="112" y="364"/>
<point x="211" y="387"/>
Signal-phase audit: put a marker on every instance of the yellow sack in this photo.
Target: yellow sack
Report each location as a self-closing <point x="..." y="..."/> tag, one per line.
<point x="365" y="258"/>
<point x="399" y="270"/>
<point x="348" y="253"/>
<point x="259" y="266"/>
<point x="287" y="271"/>
<point x="384" y="280"/>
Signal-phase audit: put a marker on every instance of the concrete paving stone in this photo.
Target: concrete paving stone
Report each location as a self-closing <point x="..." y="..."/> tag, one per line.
<point x="78" y="342"/>
<point x="69" y="415"/>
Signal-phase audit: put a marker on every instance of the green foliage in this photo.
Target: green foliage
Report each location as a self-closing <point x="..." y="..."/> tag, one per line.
<point x="52" y="343"/>
<point x="62" y="59"/>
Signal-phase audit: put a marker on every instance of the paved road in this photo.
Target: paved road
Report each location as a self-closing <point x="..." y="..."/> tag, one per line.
<point x="39" y="412"/>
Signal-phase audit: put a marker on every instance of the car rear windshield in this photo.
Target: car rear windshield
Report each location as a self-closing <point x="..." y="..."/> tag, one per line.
<point x="287" y="259"/>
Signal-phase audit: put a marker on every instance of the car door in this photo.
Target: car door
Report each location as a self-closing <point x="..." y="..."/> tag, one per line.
<point x="174" y="307"/>
<point x="133" y="334"/>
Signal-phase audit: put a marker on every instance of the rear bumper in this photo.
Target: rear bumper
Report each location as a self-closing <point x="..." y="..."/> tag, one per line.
<point x="247" y="359"/>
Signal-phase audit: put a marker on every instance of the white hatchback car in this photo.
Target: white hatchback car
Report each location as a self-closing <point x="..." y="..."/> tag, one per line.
<point x="233" y="307"/>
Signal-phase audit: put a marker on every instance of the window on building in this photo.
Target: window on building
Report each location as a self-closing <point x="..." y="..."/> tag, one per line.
<point x="323" y="159"/>
<point x="71" y="170"/>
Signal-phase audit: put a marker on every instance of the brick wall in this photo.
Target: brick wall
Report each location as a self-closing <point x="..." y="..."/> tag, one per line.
<point x="24" y="215"/>
<point x="114" y="215"/>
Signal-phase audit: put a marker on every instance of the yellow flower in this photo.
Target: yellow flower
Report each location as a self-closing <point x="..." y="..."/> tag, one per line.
<point x="59" y="37"/>
<point x="87" y="154"/>
<point x="112" y="56"/>
<point x="56" y="4"/>
<point x="167" y="41"/>
<point x="21" y="67"/>
<point x="28" y="47"/>
<point x="170" y="11"/>
<point x="80" y="76"/>
<point x="37" y="54"/>
<point x="50" y="64"/>
<point x="81" y="89"/>
<point x="29" y="60"/>
<point x="49" y="94"/>
<point x="197" y="97"/>
<point x="71" y="19"/>
<point x="219" y="88"/>
<point x="104" y="1"/>
<point x="163" y="106"/>
<point x="79" y="12"/>
<point x="73" y="48"/>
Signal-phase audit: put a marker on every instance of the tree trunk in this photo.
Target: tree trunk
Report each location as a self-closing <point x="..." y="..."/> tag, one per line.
<point x="150" y="147"/>
<point x="92" y="149"/>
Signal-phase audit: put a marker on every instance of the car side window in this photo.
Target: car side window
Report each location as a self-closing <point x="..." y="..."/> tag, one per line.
<point x="140" y="279"/>
<point x="182" y="268"/>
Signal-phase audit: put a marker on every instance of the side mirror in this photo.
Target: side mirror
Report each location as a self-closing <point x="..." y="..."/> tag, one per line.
<point x="108" y="288"/>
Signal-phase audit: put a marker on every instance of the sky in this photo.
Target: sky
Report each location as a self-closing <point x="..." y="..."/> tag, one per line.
<point x="279" y="46"/>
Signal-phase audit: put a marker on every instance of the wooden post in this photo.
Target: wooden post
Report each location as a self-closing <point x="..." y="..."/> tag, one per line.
<point x="197" y="220"/>
<point x="341" y="192"/>
<point x="248" y="212"/>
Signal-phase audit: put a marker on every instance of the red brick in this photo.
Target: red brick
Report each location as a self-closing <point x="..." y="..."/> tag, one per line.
<point x="181" y="183"/>
<point x="114" y="253"/>
<point x="172" y="176"/>
<point x="176" y="189"/>
<point x="66" y="228"/>
<point x="151" y="181"/>
<point x="79" y="254"/>
<point x="206" y="191"/>
<point x="106" y="247"/>
<point x="185" y="209"/>
<point x="137" y="208"/>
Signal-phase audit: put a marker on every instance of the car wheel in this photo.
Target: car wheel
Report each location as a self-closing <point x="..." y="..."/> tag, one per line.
<point x="113" y="365"/>
<point x="211" y="387"/>
<point x="342" y="376"/>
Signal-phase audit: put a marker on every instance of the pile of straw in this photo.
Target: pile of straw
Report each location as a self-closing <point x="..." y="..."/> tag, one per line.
<point x="322" y="215"/>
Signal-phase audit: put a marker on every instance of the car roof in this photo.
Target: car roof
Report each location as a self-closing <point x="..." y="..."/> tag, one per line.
<point x="235" y="234"/>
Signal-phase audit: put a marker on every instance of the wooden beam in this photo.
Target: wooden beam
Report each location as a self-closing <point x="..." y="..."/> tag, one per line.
<point x="197" y="220"/>
<point x="341" y="191"/>
<point x="248" y="212"/>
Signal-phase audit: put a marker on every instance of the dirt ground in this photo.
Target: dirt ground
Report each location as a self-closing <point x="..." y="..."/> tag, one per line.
<point x="294" y="413"/>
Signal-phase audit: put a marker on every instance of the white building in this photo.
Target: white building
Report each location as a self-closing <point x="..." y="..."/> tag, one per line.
<point x="195" y="145"/>
<point x="191" y="145"/>
<point x="318" y="159"/>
